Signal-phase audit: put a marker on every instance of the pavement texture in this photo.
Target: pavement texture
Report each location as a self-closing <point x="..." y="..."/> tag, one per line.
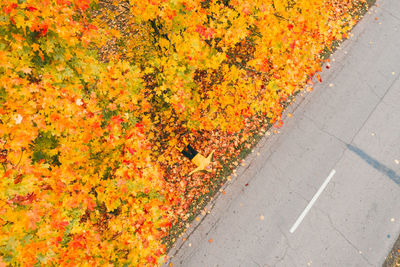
<point x="349" y="123"/>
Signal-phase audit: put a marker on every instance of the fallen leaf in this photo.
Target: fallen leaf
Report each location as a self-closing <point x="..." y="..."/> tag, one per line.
<point x="319" y="78"/>
<point x="210" y="240"/>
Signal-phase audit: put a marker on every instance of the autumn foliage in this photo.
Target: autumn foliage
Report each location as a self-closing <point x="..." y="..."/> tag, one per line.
<point x="98" y="97"/>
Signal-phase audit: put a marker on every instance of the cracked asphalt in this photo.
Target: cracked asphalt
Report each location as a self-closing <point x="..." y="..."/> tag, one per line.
<point x="352" y="127"/>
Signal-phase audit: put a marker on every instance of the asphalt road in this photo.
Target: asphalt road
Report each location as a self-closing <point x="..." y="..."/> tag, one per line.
<point x="325" y="191"/>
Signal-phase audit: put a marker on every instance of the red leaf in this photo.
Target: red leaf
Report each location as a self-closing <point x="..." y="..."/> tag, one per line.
<point x="31" y="8"/>
<point x="131" y="150"/>
<point x="44" y="30"/>
<point x="319" y="78"/>
<point x="292" y="45"/>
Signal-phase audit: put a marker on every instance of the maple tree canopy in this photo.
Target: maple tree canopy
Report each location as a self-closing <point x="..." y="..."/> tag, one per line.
<point x="96" y="95"/>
